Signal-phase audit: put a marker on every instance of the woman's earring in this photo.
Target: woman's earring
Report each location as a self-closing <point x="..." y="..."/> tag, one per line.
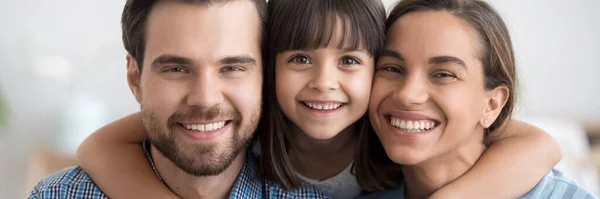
<point x="485" y="121"/>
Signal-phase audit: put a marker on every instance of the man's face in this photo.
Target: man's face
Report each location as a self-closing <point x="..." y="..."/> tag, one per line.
<point x="200" y="87"/>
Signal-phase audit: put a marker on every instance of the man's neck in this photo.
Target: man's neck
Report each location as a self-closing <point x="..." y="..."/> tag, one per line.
<point x="189" y="186"/>
<point x="424" y="179"/>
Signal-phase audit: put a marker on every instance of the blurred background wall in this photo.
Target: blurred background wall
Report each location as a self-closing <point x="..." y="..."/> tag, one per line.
<point x="62" y="75"/>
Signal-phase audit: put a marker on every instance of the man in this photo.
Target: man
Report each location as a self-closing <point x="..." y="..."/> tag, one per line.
<point x="195" y="68"/>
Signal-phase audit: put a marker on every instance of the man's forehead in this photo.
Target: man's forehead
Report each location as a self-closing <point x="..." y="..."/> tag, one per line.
<point x="203" y="32"/>
<point x="240" y="15"/>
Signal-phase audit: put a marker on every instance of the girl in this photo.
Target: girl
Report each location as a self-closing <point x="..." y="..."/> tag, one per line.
<point x="320" y="57"/>
<point x="444" y="83"/>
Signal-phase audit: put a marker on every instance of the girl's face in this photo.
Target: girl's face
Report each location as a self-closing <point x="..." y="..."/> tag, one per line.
<point x="325" y="90"/>
<point x="428" y="94"/>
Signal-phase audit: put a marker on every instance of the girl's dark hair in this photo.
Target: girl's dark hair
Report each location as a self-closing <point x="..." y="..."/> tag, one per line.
<point x="305" y="25"/>
<point x="496" y="54"/>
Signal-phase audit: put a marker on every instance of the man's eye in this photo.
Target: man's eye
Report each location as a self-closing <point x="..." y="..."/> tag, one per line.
<point x="230" y="69"/>
<point x="176" y="70"/>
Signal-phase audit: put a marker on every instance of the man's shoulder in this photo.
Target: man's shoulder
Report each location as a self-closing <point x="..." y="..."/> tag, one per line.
<point x="69" y="183"/>
<point x="555" y="185"/>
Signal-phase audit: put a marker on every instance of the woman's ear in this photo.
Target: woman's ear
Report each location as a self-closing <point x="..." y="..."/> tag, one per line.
<point x="495" y="101"/>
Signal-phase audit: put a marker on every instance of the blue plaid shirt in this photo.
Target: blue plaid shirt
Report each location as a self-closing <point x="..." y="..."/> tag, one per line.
<point x="75" y="183"/>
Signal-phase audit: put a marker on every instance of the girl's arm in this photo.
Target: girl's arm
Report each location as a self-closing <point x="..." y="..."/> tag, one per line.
<point x="114" y="158"/>
<point x="516" y="160"/>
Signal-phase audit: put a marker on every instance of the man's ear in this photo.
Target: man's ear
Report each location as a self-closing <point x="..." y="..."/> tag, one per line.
<point x="495" y="101"/>
<point x="133" y="77"/>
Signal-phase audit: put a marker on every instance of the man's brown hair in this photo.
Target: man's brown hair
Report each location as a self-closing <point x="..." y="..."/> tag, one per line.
<point x="135" y="17"/>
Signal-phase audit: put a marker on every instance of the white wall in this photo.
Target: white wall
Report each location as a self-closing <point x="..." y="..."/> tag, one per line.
<point x="62" y="69"/>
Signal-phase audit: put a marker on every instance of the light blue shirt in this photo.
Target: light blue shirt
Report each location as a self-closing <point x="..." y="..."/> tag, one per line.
<point x="554" y="185"/>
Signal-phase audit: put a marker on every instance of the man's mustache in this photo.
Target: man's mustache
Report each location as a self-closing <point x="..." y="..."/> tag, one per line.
<point x="205" y="114"/>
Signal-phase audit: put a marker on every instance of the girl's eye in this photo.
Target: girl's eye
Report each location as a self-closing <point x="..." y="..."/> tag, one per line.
<point x="300" y="59"/>
<point x="349" y="61"/>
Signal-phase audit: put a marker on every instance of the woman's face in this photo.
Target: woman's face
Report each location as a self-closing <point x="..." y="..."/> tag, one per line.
<point x="428" y="93"/>
<point x="325" y="90"/>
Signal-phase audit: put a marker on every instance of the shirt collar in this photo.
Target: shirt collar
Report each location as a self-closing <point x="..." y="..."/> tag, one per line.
<point x="246" y="185"/>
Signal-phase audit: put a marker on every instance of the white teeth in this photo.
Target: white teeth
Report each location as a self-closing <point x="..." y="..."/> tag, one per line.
<point x="328" y="106"/>
<point x="205" y="127"/>
<point x="412" y="126"/>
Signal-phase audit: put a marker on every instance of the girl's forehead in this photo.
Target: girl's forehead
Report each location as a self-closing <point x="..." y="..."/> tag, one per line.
<point x="350" y="29"/>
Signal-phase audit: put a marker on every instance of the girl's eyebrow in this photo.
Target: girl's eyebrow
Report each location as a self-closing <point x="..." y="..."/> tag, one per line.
<point x="347" y="50"/>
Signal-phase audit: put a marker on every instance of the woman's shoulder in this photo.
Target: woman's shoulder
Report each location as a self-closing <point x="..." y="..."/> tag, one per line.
<point x="555" y="185"/>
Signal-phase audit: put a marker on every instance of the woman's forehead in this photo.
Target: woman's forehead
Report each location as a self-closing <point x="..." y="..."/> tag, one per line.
<point x="432" y="33"/>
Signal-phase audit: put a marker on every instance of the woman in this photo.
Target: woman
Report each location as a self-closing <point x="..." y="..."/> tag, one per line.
<point x="448" y="64"/>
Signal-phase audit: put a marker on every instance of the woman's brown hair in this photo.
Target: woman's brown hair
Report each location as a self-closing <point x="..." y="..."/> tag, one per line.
<point x="305" y="25"/>
<point x="496" y="54"/>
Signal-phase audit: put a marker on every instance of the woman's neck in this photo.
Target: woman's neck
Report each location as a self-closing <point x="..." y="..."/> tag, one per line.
<point x="322" y="159"/>
<point x="425" y="178"/>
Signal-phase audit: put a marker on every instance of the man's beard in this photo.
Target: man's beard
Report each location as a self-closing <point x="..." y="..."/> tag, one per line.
<point x="200" y="159"/>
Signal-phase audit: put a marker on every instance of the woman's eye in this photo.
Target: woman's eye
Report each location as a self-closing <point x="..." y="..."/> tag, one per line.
<point x="444" y="75"/>
<point x="391" y="69"/>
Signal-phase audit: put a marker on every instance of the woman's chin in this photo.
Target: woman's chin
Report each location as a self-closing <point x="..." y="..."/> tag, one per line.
<point x="405" y="156"/>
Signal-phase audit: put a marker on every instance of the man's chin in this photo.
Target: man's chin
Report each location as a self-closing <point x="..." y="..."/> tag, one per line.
<point x="207" y="163"/>
<point x="201" y="158"/>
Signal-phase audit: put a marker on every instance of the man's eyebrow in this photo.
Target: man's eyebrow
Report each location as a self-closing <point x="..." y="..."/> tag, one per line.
<point x="171" y="59"/>
<point x="238" y="59"/>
